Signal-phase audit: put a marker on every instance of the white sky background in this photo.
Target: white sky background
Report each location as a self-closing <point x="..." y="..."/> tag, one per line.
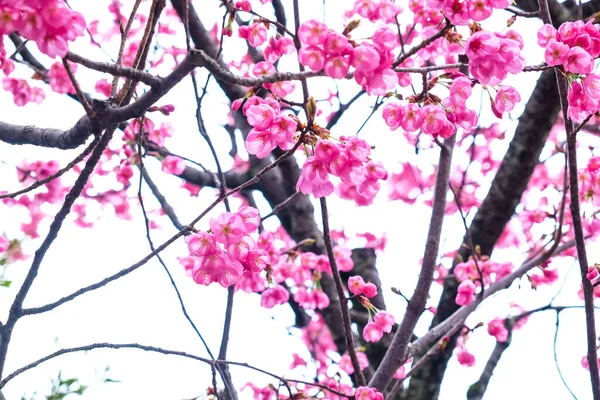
<point x="143" y="308"/>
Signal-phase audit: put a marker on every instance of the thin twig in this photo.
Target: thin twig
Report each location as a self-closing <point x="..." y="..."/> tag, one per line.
<point x="282" y="205"/>
<point x="56" y="175"/>
<point x="349" y="336"/>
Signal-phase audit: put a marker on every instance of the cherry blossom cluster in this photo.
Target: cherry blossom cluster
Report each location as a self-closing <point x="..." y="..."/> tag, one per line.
<point x="382" y="322"/>
<point x="256" y="35"/>
<point x="424" y="15"/>
<point x="575" y="46"/>
<point x="228" y="250"/>
<point x="348" y="160"/>
<point x="299" y="271"/>
<point x="471" y="272"/>
<point x="497" y="328"/>
<point x="49" y="23"/>
<point x="245" y="5"/>
<point x="281" y="88"/>
<point x="377" y="10"/>
<point x="492" y="56"/>
<point x="334" y="53"/>
<point x="461" y="12"/>
<point x="319" y="342"/>
<point x="22" y="92"/>
<point x="435" y="117"/>
<point x="357" y="286"/>
<point x="412" y="182"/>
<point x="54" y="193"/>
<point x="367" y="393"/>
<point x="271" y="127"/>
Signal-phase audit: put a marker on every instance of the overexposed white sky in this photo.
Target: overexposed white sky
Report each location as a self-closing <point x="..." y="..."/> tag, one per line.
<point x="142" y="307"/>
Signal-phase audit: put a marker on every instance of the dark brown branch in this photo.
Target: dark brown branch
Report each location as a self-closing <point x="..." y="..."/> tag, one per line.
<point x="426" y="42"/>
<point x="282" y="205"/>
<point x="76" y="136"/>
<point x="164" y="204"/>
<point x="115" y="70"/>
<point x="47" y="137"/>
<point x="279" y="15"/>
<point x="478" y="389"/>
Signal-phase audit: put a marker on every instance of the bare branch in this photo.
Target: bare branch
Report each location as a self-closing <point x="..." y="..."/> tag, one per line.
<point x="396" y="355"/>
<point x="47" y="137"/>
<point x="116" y="70"/>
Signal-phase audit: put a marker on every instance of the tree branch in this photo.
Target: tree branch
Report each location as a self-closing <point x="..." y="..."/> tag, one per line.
<point x="396" y="355"/>
<point x="588" y="290"/>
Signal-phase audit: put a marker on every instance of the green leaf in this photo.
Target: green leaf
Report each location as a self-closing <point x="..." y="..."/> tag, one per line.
<point x="69" y="382"/>
<point x="5" y="283"/>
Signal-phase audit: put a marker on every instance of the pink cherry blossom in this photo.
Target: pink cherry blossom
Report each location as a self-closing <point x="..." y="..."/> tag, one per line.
<point x="545" y="34"/>
<point x="256" y="34"/>
<point x="465" y="358"/>
<point x="367" y="393"/>
<point x="578" y="61"/>
<point x="357" y="148"/>
<point x="274" y="296"/>
<point x="372" y="332"/>
<point x="59" y="79"/>
<point x="260" y="116"/>
<point x="313" y="32"/>
<point x="384" y="320"/>
<point x="413" y="116"/>
<point x="250" y="218"/>
<point x="312" y="57"/>
<point x="370" y="290"/>
<point x="356" y="284"/>
<point x="260" y="143"/>
<point x="337" y="44"/>
<point x="227" y="228"/>
<point x="556" y="52"/>
<point x="345" y="362"/>
<point x="479" y="10"/>
<point x="365" y="58"/>
<point x="337" y="67"/>
<point x="465" y="293"/>
<point x="505" y="100"/>
<point x="497" y="329"/>
<point x="173" y="165"/>
<point x="392" y="115"/>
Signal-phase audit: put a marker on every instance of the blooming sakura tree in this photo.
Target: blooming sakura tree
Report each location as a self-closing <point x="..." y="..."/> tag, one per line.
<point x="440" y="81"/>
